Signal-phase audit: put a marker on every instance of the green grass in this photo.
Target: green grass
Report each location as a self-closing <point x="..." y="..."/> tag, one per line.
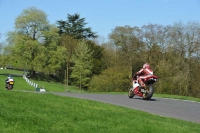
<point x="10" y="71"/>
<point x="177" y="97"/>
<point x="25" y="112"/>
<point x="21" y="84"/>
<point x="56" y="87"/>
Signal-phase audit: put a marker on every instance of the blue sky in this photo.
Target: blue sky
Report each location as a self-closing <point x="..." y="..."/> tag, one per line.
<point x="104" y="15"/>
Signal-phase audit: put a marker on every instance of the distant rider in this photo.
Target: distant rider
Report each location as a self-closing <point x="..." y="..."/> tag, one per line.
<point x="9" y="78"/>
<point x="143" y="73"/>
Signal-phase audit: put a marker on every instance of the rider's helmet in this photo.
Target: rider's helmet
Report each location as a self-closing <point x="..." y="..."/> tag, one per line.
<point x="9" y="76"/>
<point x="146" y="65"/>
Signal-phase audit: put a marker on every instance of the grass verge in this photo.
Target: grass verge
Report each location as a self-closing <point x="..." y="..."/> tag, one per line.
<point x="21" y="84"/>
<point x="25" y="112"/>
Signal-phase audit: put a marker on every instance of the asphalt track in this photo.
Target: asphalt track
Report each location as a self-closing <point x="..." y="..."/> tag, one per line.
<point x="179" y="109"/>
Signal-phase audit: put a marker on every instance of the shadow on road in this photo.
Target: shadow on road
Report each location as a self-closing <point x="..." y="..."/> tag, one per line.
<point x="152" y="99"/>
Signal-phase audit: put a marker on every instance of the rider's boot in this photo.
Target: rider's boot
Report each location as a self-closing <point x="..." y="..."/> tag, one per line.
<point x="143" y="85"/>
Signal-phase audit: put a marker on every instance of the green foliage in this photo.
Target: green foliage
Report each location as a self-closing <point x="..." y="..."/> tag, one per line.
<point x="97" y="57"/>
<point x="109" y="55"/>
<point x="111" y="80"/>
<point x="51" y="37"/>
<point x="69" y="44"/>
<point x="53" y="55"/>
<point x="25" y="42"/>
<point x="82" y="60"/>
<point x="28" y="50"/>
<point x="74" y="26"/>
<point x="31" y="22"/>
<point x="3" y="55"/>
<point x="128" y="45"/>
<point x="56" y="60"/>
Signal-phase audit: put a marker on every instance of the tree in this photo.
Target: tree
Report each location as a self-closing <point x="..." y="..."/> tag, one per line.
<point x="31" y="22"/>
<point x="128" y="45"/>
<point x="82" y="59"/>
<point x="53" y="55"/>
<point x="97" y="57"/>
<point x="1" y="54"/>
<point x="74" y="26"/>
<point x="26" y="51"/>
<point x="69" y="43"/>
<point x="28" y="35"/>
<point x="112" y="79"/>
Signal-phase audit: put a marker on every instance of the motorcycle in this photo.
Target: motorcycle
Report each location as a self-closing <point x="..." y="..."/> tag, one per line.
<point x="145" y="92"/>
<point x="9" y="84"/>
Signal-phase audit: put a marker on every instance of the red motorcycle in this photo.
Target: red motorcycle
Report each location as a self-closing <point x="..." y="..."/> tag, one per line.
<point x="145" y="92"/>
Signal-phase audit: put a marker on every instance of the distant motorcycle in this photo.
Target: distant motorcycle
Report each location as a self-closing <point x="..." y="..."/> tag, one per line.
<point x="145" y="92"/>
<point x="10" y="84"/>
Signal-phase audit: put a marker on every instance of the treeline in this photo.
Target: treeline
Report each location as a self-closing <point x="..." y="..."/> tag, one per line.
<point x="71" y="53"/>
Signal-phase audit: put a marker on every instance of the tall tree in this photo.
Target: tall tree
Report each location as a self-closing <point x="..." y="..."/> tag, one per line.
<point x="1" y="54"/>
<point x="82" y="59"/>
<point x="97" y="57"/>
<point x="28" y="34"/>
<point x="31" y="22"/>
<point x="74" y="26"/>
<point x="53" y="55"/>
<point x="126" y="39"/>
<point x="69" y="44"/>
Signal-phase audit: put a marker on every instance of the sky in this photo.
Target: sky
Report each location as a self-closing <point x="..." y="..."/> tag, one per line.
<point x="103" y="15"/>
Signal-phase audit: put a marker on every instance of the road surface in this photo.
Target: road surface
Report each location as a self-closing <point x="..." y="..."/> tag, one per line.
<point x="180" y="109"/>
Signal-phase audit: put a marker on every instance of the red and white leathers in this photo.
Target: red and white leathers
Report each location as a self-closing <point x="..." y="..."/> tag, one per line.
<point x="144" y="73"/>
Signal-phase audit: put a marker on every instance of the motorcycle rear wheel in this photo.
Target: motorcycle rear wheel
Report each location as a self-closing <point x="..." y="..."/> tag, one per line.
<point x="130" y="93"/>
<point x="149" y="94"/>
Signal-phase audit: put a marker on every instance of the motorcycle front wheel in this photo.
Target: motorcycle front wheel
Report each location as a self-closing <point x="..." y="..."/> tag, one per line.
<point x="149" y="93"/>
<point x="9" y="87"/>
<point x="130" y="93"/>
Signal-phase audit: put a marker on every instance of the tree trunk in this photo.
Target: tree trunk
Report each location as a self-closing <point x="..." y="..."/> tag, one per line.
<point x="32" y="72"/>
<point x="80" y="83"/>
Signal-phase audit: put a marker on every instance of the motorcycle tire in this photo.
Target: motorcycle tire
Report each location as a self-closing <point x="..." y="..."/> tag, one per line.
<point x="10" y="87"/>
<point x="148" y="95"/>
<point x="130" y="93"/>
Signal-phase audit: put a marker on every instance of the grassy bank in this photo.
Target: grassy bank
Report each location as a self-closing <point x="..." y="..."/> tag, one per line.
<point x="177" y="97"/>
<point x="25" y="112"/>
<point x="21" y="84"/>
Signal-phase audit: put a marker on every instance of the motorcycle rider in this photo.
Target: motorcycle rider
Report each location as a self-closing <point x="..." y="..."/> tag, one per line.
<point x="143" y="73"/>
<point x="8" y="79"/>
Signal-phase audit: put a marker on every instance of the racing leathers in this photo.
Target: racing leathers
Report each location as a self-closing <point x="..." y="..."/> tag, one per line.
<point x="142" y="74"/>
